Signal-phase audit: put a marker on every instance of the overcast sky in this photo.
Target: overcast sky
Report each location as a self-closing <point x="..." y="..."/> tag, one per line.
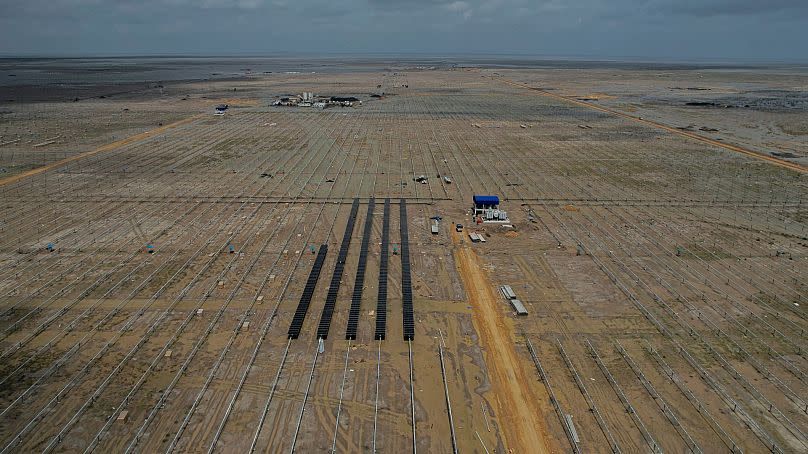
<point x="661" y="29"/>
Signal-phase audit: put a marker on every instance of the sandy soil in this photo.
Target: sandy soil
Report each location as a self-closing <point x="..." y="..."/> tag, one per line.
<point x="519" y="409"/>
<point x="691" y="255"/>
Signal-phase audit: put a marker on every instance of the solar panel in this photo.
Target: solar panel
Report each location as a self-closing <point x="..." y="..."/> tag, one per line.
<point x="406" y="278"/>
<point x="336" y="278"/>
<point x="356" y="298"/>
<point x="381" y="304"/>
<point x="308" y="291"/>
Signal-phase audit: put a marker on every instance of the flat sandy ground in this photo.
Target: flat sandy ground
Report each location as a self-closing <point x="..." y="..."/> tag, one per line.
<point x="663" y="272"/>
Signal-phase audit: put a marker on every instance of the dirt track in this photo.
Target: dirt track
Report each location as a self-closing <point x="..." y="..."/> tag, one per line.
<point x="517" y="405"/>
<point x="109" y="147"/>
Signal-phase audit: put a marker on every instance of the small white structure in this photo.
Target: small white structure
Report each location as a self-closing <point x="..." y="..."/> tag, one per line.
<point x="510" y="295"/>
<point x="518" y="307"/>
<point x="508" y="292"/>
<point x="476" y="237"/>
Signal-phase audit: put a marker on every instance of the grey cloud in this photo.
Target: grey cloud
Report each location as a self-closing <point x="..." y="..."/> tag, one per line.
<point x="727" y="7"/>
<point x="675" y="28"/>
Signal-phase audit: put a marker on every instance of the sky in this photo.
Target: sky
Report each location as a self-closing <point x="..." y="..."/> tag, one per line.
<point x="726" y="30"/>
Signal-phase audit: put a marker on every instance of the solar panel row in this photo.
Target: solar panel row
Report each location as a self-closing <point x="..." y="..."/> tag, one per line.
<point x="406" y="282"/>
<point x="356" y="298"/>
<point x="381" y="305"/>
<point x="336" y="278"/>
<point x="308" y="292"/>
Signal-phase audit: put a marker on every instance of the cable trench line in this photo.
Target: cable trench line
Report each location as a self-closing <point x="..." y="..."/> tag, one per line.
<point x="341" y="394"/>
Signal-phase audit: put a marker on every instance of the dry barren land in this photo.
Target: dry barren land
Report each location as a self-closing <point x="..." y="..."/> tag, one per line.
<point x="663" y="267"/>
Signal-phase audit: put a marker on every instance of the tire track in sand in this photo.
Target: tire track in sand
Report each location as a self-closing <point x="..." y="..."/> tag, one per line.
<point x="519" y="411"/>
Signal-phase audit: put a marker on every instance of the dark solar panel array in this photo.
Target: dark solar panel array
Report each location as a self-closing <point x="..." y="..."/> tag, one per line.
<point x="406" y="282"/>
<point x="356" y="298"/>
<point x="381" y="305"/>
<point x="308" y="291"/>
<point x="336" y="278"/>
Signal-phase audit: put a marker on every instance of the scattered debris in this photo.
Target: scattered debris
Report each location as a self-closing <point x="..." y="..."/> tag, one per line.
<point x="46" y="142"/>
<point x="9" y="142"/>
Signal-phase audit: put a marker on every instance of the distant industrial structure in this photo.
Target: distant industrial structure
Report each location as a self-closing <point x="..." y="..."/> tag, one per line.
<point x="307" y="99"/>
<point x="486" y="209"/>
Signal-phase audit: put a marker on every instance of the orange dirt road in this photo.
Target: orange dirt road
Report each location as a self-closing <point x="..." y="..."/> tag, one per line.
<point x="101" y="149"/>
<point x="518" y="409"/>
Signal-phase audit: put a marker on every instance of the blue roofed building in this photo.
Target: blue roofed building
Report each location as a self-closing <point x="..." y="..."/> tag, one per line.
<point x="486" y="209"/>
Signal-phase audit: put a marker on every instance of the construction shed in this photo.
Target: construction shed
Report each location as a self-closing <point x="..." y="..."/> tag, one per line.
<point x="518" y="306"/>
<point x="486" y="209"/>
